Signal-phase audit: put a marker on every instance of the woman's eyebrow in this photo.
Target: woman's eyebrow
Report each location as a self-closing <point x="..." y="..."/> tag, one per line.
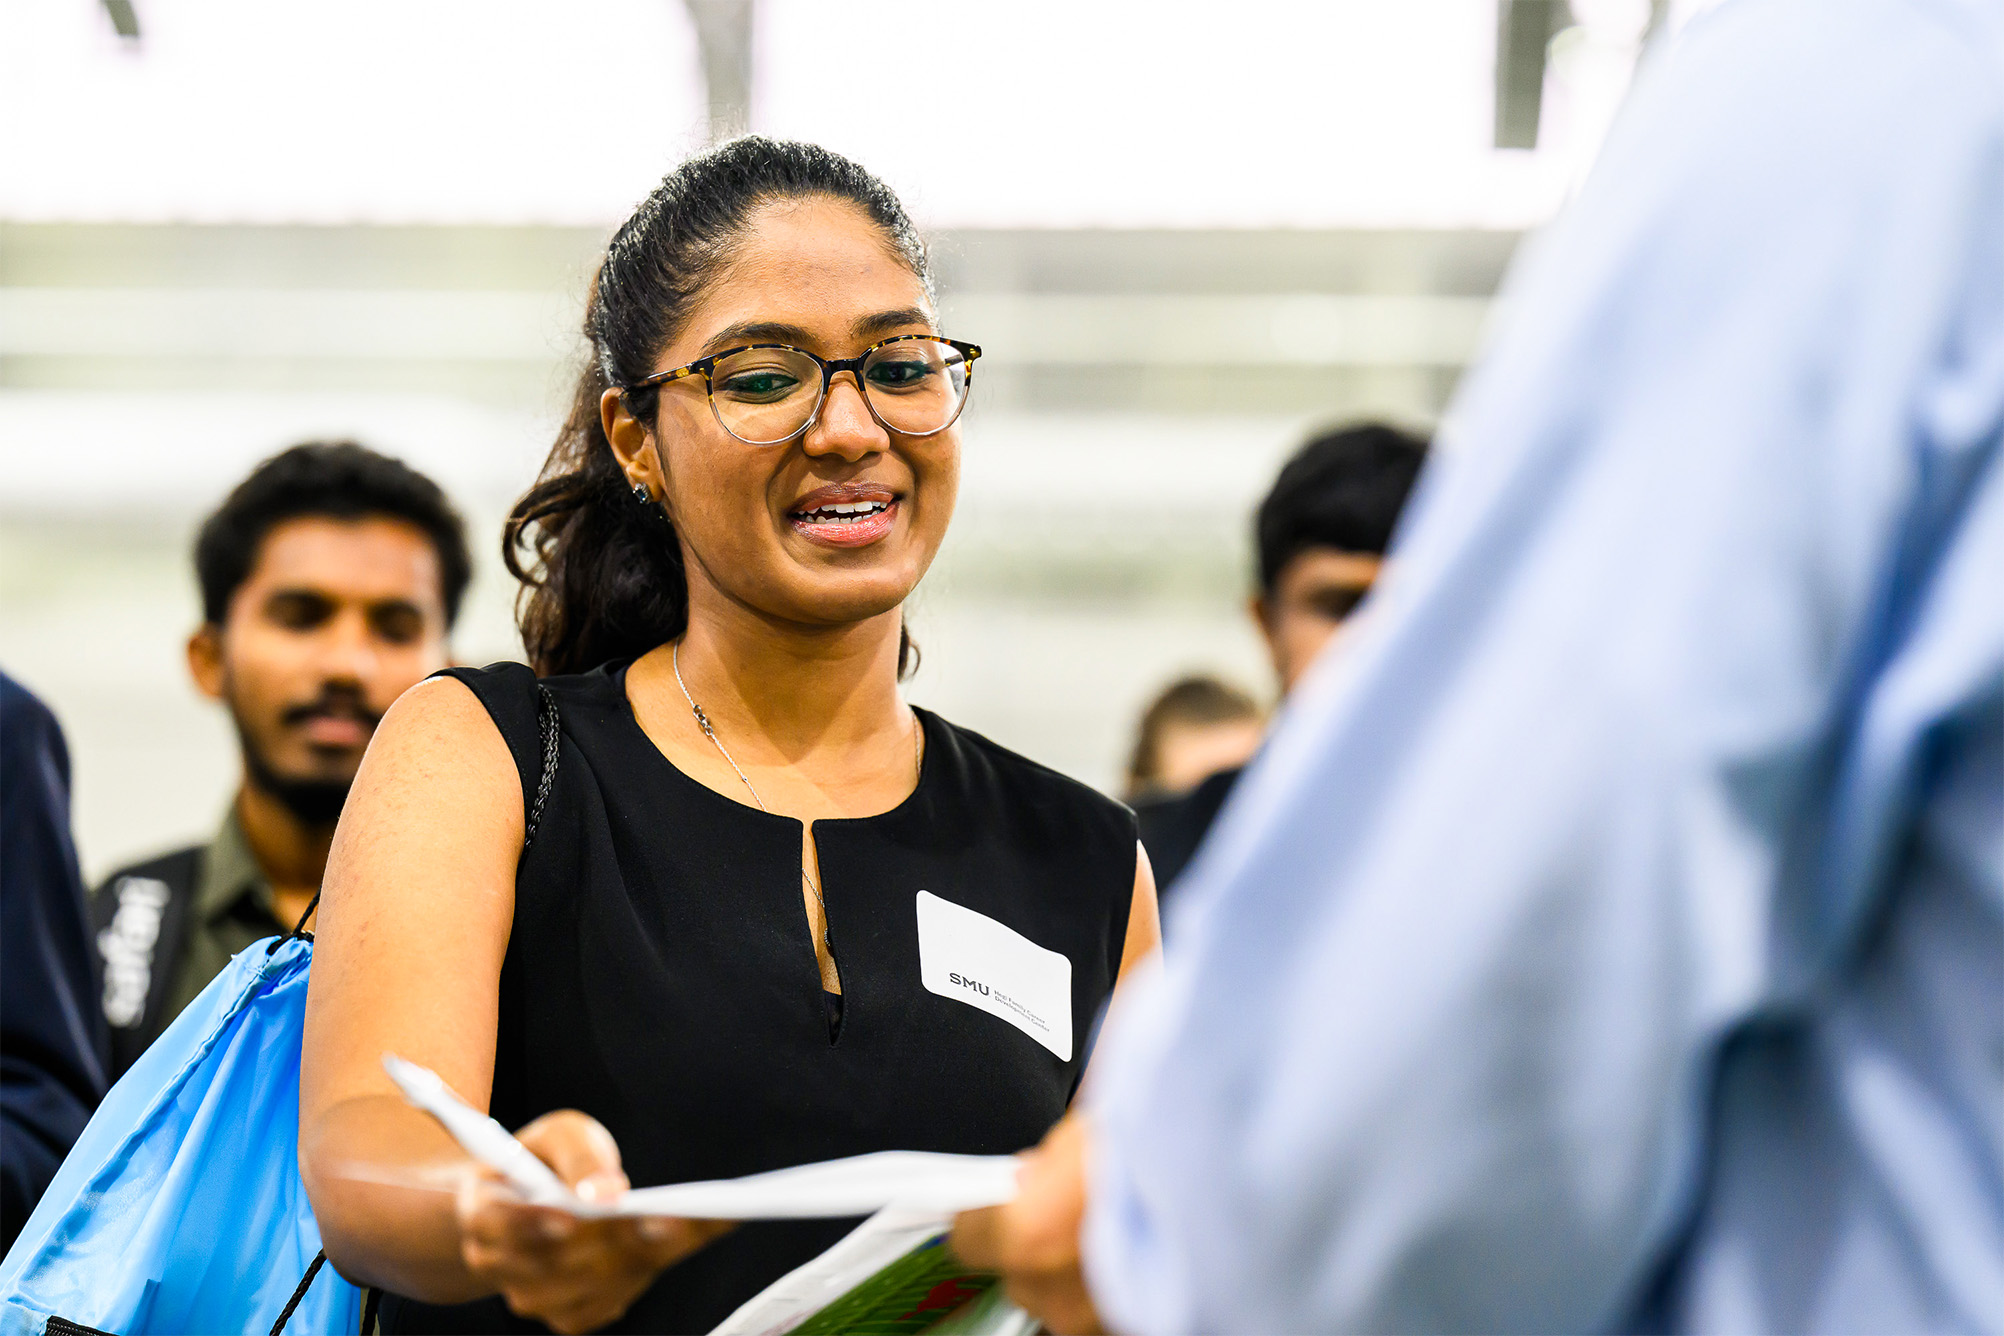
<point x="758" y="331"/>
<point x="778" y="331"/>
<point x="883" y="322"/>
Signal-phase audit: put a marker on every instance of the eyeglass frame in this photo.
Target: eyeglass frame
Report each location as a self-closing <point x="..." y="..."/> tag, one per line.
<point x="704" y="366"/>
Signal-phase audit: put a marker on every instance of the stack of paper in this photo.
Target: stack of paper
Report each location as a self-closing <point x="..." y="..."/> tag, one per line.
<point x="889" y="1276"/>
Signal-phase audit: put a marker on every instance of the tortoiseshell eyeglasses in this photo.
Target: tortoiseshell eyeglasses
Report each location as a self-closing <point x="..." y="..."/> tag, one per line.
<point x="768" y="393"/>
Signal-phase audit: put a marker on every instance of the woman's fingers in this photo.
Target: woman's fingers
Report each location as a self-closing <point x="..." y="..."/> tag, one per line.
<point x="573" y="1274"/>
<point x="581" y="1151"/>
<point x="492" y="1215"/>
<point x="588" y="1281"/>
<point x="587" y="1313"/>
<point x="663" y="1240"/>
<point x="578" y="1283"/>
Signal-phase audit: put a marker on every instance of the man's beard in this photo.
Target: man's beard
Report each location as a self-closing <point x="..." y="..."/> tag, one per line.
<point x="315" y="803"/>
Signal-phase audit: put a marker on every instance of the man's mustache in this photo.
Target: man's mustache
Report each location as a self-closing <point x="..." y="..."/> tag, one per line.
<point x="332" y="704"/>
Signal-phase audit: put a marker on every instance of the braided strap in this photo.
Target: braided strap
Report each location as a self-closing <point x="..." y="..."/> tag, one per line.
<point x="546" y="721"/>
<point x="292" y="1304"/>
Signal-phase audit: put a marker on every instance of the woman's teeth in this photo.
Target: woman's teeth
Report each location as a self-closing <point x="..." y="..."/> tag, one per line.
<point x="845" y="513"/>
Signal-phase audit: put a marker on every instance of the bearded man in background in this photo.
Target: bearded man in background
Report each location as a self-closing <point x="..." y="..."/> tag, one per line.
<point x="330" y="580"/>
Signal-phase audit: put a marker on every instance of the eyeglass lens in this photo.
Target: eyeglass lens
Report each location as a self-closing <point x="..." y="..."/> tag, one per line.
<point x="766" y="395"/>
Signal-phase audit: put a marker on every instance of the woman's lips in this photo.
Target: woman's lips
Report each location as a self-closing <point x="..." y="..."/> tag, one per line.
<point x="846" y="524"/>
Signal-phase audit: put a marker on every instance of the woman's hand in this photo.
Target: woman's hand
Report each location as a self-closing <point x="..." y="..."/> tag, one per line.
<point x="1034" y="1240"/>
<point x="575" y="1275"/>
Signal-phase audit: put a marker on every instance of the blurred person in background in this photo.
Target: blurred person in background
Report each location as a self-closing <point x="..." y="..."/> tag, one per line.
<point x="52" y="1041"/>
<point x="330" y="579"/>
<point x="1196" y="727"/>
<point x="1320" y="534"/>
<point x="762" y="911"/>
<point x="1612" y="936"/>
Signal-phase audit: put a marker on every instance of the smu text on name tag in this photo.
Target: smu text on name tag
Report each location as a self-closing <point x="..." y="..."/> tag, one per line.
<point x="971" y="958"/>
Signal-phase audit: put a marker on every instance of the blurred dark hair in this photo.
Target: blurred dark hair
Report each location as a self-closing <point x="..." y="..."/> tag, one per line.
<point x="602" y="571"/>
<point x="337" y="479"/>
<point x="1194" y="700"/>
<point x="1343" y="489"/>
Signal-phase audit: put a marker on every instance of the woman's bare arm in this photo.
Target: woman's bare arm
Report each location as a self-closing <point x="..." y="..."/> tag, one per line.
<point x="1144" y="918"/>
<point x="414" y="920"/>
<point x="415" y="915"/>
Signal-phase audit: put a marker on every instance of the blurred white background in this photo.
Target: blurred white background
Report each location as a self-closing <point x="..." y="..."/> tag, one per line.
<point x="1185" y="234"/>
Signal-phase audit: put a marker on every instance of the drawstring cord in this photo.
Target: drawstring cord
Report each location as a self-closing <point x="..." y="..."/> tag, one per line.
<point x="299" y="928"/>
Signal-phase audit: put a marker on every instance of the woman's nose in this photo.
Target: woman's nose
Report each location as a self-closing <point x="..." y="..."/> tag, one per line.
<point x="845" y="427"/>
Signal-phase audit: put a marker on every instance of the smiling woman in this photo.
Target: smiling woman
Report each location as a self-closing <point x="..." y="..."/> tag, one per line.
<point x="759" y="466"/>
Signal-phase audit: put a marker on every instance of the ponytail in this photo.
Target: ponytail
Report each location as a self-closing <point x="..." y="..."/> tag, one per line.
<point x="603" y="577"/>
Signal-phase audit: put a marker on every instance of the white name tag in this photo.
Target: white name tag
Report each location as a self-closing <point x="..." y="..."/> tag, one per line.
<point x="973" y="959"/>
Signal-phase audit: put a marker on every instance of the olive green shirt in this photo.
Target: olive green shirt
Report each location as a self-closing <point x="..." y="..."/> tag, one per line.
<point x="232" y="909"/>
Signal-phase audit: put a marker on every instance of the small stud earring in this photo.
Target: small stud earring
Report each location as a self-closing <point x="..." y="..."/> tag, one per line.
<point x="642" y="495"/>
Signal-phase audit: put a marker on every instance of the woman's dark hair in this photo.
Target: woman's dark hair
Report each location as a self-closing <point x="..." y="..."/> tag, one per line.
<point x="603" y="575"/>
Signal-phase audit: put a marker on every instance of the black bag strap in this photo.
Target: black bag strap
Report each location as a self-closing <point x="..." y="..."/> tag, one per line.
<point x="546" y="723"/>
<point x="319" y="1260"/>
<point x="372" y="1300"/>
<point x="299" y="928"/>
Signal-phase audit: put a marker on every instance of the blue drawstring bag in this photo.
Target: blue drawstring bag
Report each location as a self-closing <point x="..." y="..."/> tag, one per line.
<point x="180" y="1208"/>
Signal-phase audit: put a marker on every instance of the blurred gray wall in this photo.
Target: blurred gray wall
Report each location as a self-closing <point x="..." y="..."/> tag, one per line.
<point x="1138" y="391"/>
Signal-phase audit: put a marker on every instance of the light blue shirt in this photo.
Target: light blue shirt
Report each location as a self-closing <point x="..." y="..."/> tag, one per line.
<point x="1612" y="933"/>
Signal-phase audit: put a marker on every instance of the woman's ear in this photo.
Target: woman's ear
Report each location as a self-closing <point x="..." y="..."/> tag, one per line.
<point x="629" y="438"/>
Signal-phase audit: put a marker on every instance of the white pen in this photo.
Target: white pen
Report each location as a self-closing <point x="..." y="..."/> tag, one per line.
<point x="480" y="1136"/>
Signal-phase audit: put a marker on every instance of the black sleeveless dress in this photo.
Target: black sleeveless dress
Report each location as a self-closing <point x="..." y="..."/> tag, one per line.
<point x="660" y="975"/>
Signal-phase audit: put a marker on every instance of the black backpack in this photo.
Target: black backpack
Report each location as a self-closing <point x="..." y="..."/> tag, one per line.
<point x="140" y="918"/>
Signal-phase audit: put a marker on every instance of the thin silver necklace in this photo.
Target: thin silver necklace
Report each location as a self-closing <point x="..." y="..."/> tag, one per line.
<point x="703" y="722"/>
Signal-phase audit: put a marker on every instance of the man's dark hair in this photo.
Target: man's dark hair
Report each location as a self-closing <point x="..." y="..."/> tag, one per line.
<point x="337" y="479"/>
<point x="1344" y="489"/>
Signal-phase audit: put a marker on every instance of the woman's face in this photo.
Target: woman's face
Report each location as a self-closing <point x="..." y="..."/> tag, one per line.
<point x="816" y="274"/>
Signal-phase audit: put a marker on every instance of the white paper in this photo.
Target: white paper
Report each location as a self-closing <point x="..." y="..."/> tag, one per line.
<point x="914" y="1180"/>
<point x="809" y="1288"/>
<point x="910" y="1179"/>
<point x="972" y="958"/>
<point x="477" y="1134"/>
<point x="861" y="1254"/>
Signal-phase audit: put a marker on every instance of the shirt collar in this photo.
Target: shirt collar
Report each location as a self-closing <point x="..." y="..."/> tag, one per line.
<point x="230" y="873"/>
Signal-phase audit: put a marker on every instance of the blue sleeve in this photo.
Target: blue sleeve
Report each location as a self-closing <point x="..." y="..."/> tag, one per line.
<point x="1431" y="1045"/>
<point x="52" y="1040"/>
